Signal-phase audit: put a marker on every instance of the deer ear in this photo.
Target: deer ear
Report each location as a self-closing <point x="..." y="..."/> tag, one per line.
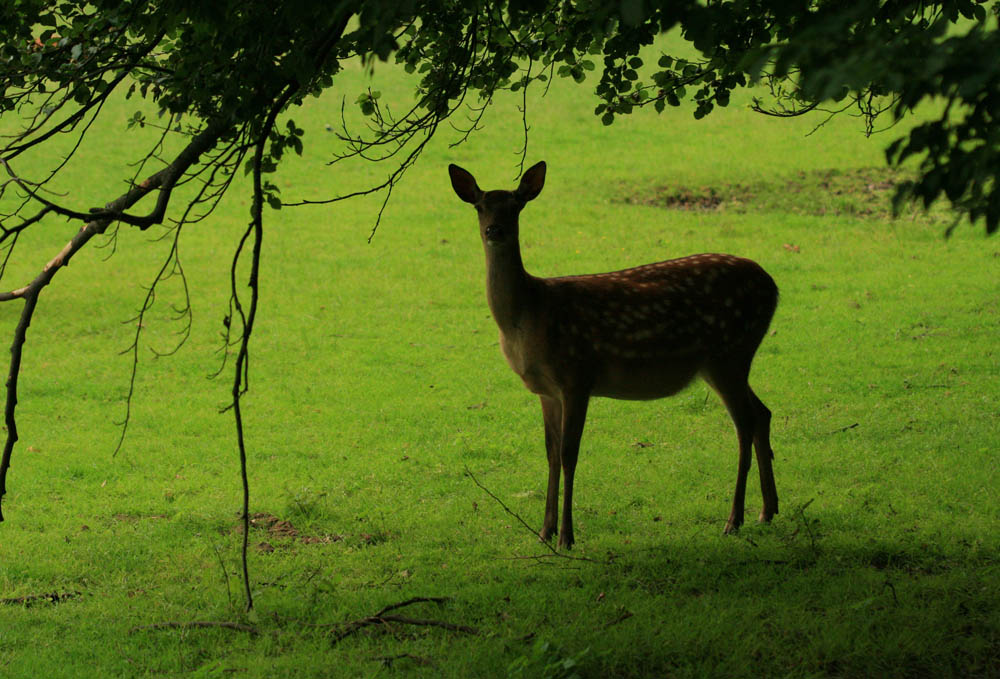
<point x="532" y="182"/>
<point x="464" y="184"/>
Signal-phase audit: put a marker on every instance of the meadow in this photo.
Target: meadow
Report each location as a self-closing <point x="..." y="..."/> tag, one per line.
<point x="379" y="405"/>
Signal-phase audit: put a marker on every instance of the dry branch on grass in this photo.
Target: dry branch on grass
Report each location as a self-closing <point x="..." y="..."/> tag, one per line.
<point x="31" y="599"/>
<point x="386" y="620"/>
<point x="197" y="624"/>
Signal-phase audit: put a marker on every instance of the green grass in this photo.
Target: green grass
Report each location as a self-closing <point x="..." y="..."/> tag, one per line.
<point x="377" y="381"/>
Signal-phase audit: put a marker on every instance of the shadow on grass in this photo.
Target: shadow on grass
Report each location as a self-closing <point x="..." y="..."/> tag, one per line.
<point x="781" y="601"/>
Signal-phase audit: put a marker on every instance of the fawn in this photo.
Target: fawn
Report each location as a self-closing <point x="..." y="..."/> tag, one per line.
<point x="640" y="333"/>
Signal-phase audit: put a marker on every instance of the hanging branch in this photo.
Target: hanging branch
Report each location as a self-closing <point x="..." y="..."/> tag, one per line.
<point x="241" y="370"/>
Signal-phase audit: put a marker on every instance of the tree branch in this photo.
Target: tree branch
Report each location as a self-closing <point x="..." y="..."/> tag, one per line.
<point x="30" y="292"/>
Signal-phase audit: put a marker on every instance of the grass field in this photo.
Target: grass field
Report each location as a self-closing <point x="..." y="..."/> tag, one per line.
<point x="377" y="385"/>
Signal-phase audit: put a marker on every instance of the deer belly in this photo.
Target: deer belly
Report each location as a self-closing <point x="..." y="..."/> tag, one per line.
<point x="641" y="380"/>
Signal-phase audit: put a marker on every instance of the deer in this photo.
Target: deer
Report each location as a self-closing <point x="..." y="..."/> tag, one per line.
<point x="641" y="333"/>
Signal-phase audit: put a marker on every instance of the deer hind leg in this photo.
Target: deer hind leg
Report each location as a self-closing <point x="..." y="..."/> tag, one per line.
<point x="731" y="384"/>
<point x="762" y="446"/>
<point x="552" y="414"/>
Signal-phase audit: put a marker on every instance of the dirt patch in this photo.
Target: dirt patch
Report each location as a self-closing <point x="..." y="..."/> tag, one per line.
<point x="686" y="198"/>
<point x="280" y="529"/>
<point x="862" y="193"/>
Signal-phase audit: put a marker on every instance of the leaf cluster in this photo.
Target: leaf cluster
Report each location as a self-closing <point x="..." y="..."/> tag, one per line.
<point x="873" y="58"/>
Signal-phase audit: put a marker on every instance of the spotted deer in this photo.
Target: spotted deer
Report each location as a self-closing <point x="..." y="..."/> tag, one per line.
<point x="641" y="333"/>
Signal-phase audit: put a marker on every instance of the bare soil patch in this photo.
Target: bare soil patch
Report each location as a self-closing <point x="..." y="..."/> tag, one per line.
<point x="862" y="193"/>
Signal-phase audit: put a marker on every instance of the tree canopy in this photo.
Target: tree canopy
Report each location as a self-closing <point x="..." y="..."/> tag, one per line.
<point x="222" y="73"/>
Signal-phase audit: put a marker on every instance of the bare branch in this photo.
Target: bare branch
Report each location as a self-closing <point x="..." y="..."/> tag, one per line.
<point x="29" y="293"/>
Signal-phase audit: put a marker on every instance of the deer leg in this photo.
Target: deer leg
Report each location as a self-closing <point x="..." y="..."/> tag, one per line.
<point x="574" y="415"/>
<point x="762" y="447"/>
<point x="745" y="435"/>
<point x="732" y="387"/>
<point x="552" y="413"/>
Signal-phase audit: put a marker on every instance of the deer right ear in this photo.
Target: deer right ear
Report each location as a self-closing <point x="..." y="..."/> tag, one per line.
<point x="464" y="184"/>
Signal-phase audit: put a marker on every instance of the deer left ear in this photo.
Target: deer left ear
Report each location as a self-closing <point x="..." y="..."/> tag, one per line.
<point x="532" y="182"/>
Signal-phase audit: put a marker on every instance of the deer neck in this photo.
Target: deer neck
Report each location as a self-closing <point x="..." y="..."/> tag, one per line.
<point x="508" y="286"/>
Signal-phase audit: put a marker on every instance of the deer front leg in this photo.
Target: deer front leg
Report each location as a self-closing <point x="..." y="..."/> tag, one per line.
<point x="552" y="413"/>
<point x="574" y="415"/>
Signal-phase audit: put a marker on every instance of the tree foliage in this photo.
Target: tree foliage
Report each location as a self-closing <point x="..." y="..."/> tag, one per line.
<point x="222" y="73"/>
<point x="878" y="59"/>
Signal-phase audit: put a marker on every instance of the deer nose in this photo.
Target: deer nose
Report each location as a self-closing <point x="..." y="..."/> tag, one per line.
<point x="494" y="233"/>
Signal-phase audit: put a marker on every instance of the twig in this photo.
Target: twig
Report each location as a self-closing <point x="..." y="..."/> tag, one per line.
<point x="807" y="524"/>
<point x="225" y="575"/>
<point x="507" y="509"/>
<point x="414" y="600"/>
<point x="388" y="660"/>
<point x="382" y="619"/>
<point x="553" y="550"/>
<point x="622" y="617"/>
<point x="51" y="597"/>
<point x="197" y="624"/>
<point x="546" y="559"/>
<point x="887" y="585"/>
<point x="843" y="429"/>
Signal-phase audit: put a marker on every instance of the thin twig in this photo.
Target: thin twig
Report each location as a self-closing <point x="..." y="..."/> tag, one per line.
<point x="388" y="660"/>
<point x="225" y="575"/>
<point x="197" y="624"/>
<point x="843" y="429"/>
<point x="553" y="550"/>
<point x="468" y="472"/>
<point x="622" y="617"/>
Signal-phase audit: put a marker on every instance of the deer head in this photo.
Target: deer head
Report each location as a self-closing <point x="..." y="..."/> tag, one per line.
<point x="498" y="210"/>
